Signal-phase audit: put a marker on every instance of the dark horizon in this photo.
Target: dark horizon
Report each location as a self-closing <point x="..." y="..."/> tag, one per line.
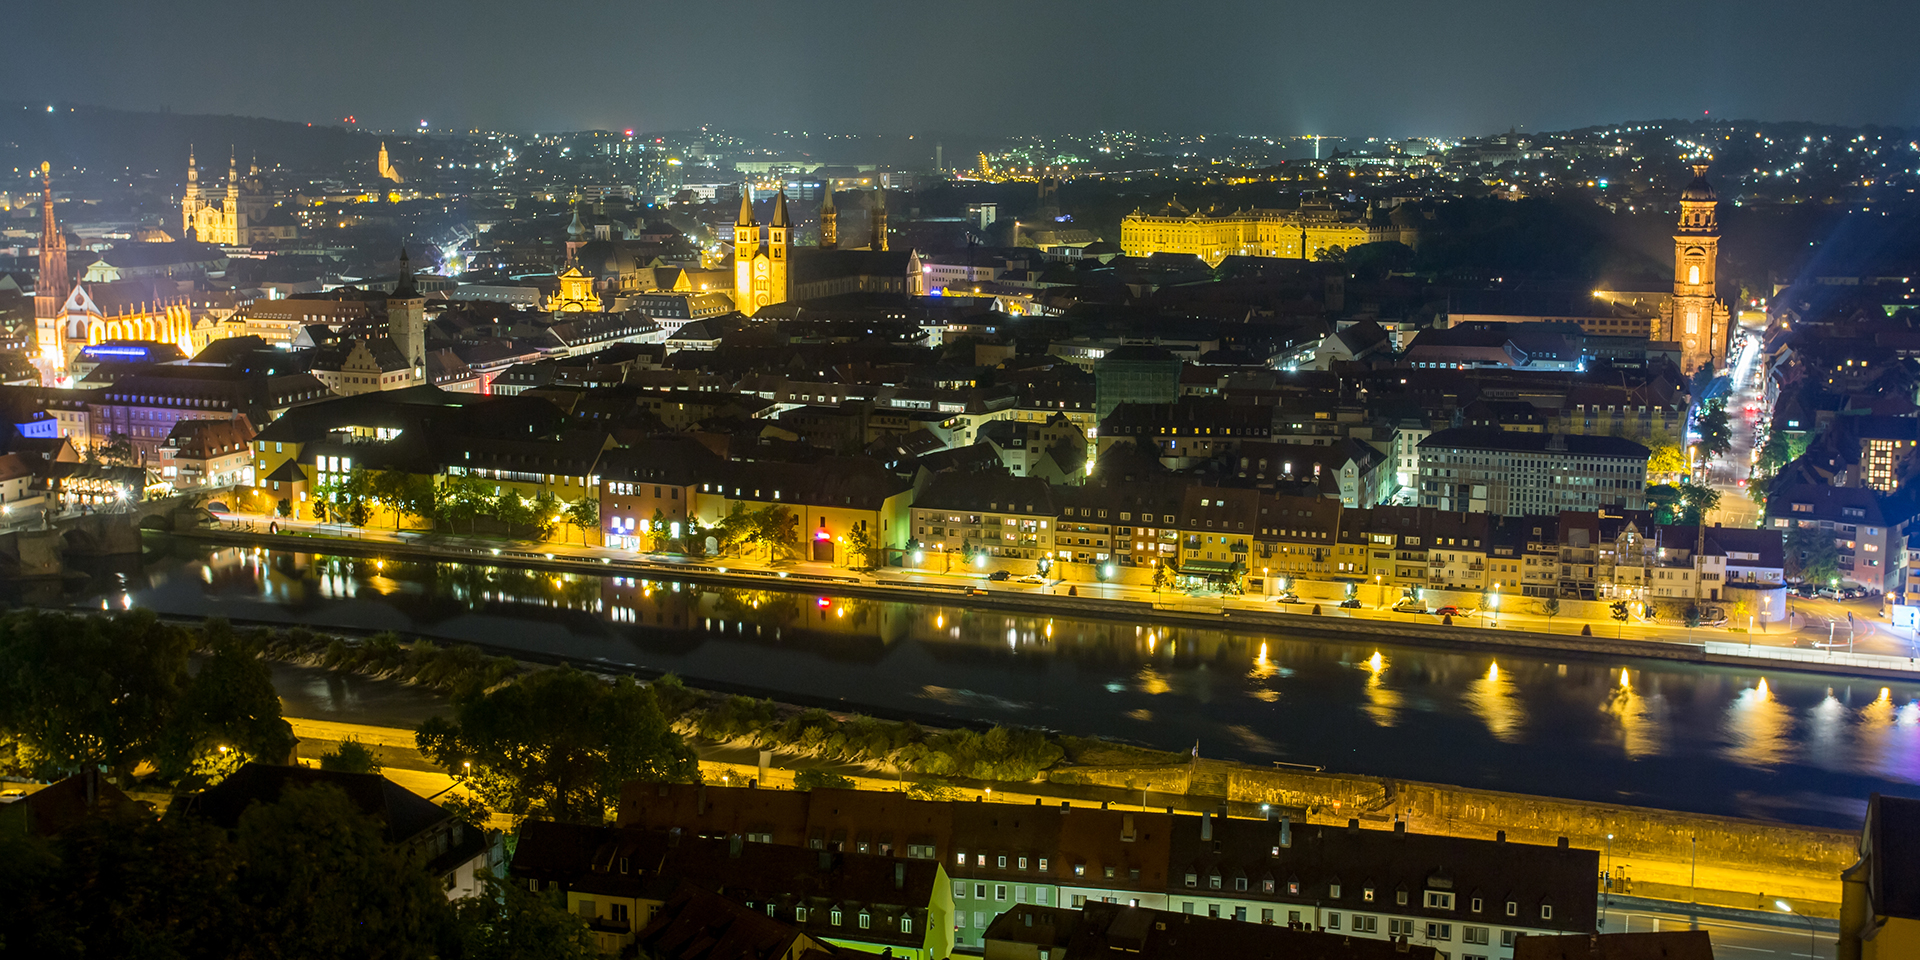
<point x="990" y="68"/>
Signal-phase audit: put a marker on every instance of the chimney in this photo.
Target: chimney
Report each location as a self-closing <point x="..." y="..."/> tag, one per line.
<point x="1064" y="806"/>
<point x="1399" y="828"/>
<point x="899" y="876"/>
<point x="1563" y="843"/>
<point x="1206" y="824"/>
<point x="734" y="842"/>
<point x="1353" y="825"/>
<point x="1500" y="836"/>
<point x="1286" y="831"/>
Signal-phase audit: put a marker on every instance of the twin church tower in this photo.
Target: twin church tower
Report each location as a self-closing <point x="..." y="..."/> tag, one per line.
<point x="763" y="270"/>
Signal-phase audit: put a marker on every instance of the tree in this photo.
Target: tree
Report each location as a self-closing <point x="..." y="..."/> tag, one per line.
<point x="584" y="513"/>
<point x="1780" y="449"/>
<point x="462" y="498"/>
<point x="1667" y="459"/>
<point x="1716" y="434"/>
<point x="406" y="494"/>
<point x="229" y="714"/>
<point x="1696" y="501"/>
<point x="815" y="777"/>
<point x="1620" y="614"/>
<point x="861" y="552"/>
<point x="86" y="691"/>
<point x="1551" y="607"/>
<point x="1159" y="576"/>
<point x="1812" y="556"/>
<point x="351" y="756"/>
<point x="318" y="878"/>
<point x="657" y="531"/>
<point x="546" y="514"/>
<point x="346" y="498"/>
<point x="559" y="742"/>
<point x="509" y="922"/>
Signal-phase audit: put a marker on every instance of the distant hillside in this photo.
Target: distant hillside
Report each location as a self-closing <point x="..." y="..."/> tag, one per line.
<point x="101" y="140"/>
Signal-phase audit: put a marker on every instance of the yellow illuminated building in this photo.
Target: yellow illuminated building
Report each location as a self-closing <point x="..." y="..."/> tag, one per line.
<point x="1695" y="317"/>
<point x="760" y="270"/>
<point x="1314" y="229"/>
<point x="575" y="294"/>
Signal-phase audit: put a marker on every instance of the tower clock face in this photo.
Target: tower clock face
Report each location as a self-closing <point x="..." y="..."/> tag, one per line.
<point x="760" y="267"/>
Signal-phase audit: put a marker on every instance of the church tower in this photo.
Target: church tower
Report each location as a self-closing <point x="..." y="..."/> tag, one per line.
<point x="1695" y="317"/>
<point x="829" y="220"/>
<point x="387" y="172"/>
<point x="746" y="249"/>
<point x="778" y="230"/>
<point x="233" y="198"/>
<point x="190" y="202"/>
<point x="51" y="289"/>
<point x="879" y="217"/>
<point x="407" y="319"/>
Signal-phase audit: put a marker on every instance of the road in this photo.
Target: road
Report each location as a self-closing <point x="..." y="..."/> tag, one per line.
<point x="1747" y="414"/>
<point x="1732" y="939"/>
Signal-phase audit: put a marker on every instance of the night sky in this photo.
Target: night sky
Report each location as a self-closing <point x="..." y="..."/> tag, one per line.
<point x="1362" y="67"/>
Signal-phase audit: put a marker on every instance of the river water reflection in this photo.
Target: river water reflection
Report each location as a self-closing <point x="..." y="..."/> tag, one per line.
<point x="1794" y="747"/>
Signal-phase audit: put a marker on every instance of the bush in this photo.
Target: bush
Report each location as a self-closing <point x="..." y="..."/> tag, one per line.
<point x="351" y="756"/>
<point x="815" y="777"/>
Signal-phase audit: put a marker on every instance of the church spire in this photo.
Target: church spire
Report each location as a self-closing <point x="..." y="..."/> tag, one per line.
<point x="746" y="206"/>
<point x="780" y="210"/>
<point x="829" y="219"/>
<point x="879" y="217"/>
<point x="50" y="289"/>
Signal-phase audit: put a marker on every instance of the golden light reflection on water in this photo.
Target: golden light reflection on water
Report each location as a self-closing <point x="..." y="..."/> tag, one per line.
<point x="1640" y="732"/>
<point x="1383" y="704"/>
<point x="1759" y="728"/>
<point x="1153" y="681"/>
<point x="1492" y="699"/>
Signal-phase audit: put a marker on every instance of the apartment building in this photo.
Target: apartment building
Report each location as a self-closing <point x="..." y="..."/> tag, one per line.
<point x="1507" y="473"/>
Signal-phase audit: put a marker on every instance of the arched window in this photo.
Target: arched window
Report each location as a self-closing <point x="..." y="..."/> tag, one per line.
<point x="1693" y="274"/>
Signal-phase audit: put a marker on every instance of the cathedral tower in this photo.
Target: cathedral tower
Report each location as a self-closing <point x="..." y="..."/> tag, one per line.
<point x="879" y="217"/>
<point x="778" y="230"/>
<point x="1695" y="317"/>
<point x="51" y="288"/>
<point x="829" y="220"/>
<point x="746" y="247"/>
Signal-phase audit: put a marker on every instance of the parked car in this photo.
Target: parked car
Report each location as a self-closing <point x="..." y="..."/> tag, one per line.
<point x="1033" y="578"/>
<point x="1351" y="603"/>
<point x="1286" y="597"/>
<point x="999" y="575"/>
<point x="1452" y="611"/>
<point x="1410" y="606"/>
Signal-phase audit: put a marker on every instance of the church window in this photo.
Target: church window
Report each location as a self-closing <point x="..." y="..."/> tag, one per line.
<point x="1693" y="274"/>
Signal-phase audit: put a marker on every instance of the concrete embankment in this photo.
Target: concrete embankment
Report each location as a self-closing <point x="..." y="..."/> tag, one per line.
<point x="1177" y="612"/>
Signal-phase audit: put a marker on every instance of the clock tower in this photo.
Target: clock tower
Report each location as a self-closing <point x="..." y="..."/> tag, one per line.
<point x="1695" y="317"/>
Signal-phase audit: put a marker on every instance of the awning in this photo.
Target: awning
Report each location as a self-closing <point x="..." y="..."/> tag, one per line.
<point x="1206" y="568"/>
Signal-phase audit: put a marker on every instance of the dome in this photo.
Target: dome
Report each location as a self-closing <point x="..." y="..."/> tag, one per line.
<point x="1699" y="191"/>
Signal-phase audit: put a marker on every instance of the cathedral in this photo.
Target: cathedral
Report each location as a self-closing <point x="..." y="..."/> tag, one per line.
<point x="243" y="214"/>
<point x="760" y="270"/>
<point x="69" y="317"/>
<point x="774" y="272"/>
<point x="1695" y="317"/>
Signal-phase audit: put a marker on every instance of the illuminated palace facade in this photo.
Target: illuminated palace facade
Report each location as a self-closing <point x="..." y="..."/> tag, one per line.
<point x="70" y="316"/>
<point x="1292" y="234"/>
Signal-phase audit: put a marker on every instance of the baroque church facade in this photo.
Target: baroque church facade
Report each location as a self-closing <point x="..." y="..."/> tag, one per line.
<point x="1695" y="317"/>
<point x="243" y="213"/>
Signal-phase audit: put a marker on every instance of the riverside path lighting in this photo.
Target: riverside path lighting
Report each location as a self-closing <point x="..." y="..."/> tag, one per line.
<point x="1813" y="936"/>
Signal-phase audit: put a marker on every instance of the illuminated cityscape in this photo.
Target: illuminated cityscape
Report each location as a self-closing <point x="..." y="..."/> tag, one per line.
<point x="1149" y="481"/>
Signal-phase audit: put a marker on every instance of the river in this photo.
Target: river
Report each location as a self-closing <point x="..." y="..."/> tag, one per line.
<point x="1794" y="747"/>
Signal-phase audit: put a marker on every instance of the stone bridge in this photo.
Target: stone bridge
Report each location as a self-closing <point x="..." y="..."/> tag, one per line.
<point x="115" y="531"/>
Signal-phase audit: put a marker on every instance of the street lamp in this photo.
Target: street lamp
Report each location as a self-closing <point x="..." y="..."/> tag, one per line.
<point x="1813" y="936"/>
<point x="1608" y="900"/>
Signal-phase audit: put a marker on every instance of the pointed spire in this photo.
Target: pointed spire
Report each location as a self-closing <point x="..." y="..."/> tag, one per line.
<point x="405" y="287"/>
<point x="826" y="204"/>
<point x="746" y="206"/>
<point x="193" y="169"/>
<point x="780" y="210"/>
